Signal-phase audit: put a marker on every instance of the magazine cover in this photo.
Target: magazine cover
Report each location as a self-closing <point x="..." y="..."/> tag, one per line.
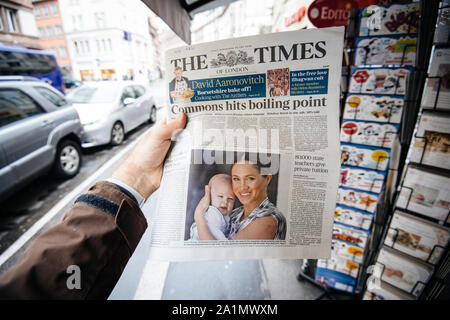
<point x="380" y="290"/>
<point x="390" y="81"/>
<point x="337" y="273"/>
<point x="351" y="235"/>
<point x="417" y="237"/>
<point x="403" y="272"/>
<point x="366" y="201"/>
<point x="365" y="156"/>
<point x="369" y="133"/>
<point x="430" y="144"/>
<point x="393" y="50"/>
<point x="374" y="108"/>
<point x="389" y="19"/>
<point x="346" y="250"/>
<point x="353" y="217"/>
<point x="443" y="26"/>
<point x="425" y="193"/>
<point x="436" y="92"/>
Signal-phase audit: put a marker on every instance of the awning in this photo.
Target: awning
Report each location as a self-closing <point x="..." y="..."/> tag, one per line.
<point x="178" y="13"/>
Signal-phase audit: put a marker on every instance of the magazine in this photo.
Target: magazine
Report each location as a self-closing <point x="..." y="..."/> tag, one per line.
<point x="374" y="108"/>
<point x="353" y="217"/>
<point x="263" y="127"/>
<point x="392" y="50"/>
<point x="431" y="141"/>
<point x="350" y="234"/>
<point x="366" y="201"/>
<point x="391" y="81"/>
<point x="346" y="250"/>
<point x="443" y="25"/>
<point x="436" y="92"/>
<point x="369" y="133"/>
<point x="403" y="272"/>
<point x="380" y="290"/>
<point x="362" y="179"/>
<point x="365" y="156"/>
<point x="389" y="19"/>
<point x="425" y="193"/>
<point x="338" y="273"/>
<point x="417" y="237"/>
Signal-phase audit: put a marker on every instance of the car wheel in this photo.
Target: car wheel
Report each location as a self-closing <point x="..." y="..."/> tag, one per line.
<point x="68" y="159"/>
<point x="152" y="118"/>
<point x="117" y="134"/>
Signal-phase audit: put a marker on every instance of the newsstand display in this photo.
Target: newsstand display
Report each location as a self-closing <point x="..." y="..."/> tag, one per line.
<point x="391" y="224"/>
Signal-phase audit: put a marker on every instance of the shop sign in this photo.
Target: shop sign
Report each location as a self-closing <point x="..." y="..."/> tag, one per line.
<point x="296" y="17"/>
<point x="330" y="13"/>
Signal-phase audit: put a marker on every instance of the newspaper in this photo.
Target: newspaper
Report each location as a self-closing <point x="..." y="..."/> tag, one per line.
<point x="263" y="134"/>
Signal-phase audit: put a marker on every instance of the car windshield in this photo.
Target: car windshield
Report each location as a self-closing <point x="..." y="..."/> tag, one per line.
<point x="88" y="94"/>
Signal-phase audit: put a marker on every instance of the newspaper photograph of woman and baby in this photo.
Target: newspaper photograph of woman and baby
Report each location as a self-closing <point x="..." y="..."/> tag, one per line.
<point x="255" y="172"/>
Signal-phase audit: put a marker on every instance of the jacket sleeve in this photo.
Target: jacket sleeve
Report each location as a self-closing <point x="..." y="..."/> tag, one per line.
<point x="84" y="255"/>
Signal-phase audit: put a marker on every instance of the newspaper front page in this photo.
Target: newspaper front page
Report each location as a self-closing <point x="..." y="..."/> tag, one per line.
<point x="263" y="134"/>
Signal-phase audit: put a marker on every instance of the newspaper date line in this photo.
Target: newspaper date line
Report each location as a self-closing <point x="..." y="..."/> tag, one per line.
<point x="234" y="309"/>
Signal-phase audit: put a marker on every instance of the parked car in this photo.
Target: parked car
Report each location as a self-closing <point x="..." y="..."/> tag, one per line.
<point x="110" y="109"/>
<point x="39" y="130"/>
<point x="70" y="83"/>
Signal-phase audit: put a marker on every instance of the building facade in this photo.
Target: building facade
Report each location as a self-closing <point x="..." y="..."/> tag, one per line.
<point x="17" y="25"/>
<point x="108" y="39"/>
<point x="47" y="14"/>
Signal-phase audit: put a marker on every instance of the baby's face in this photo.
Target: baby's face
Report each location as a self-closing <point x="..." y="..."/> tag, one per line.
<point x="222" y="196"/>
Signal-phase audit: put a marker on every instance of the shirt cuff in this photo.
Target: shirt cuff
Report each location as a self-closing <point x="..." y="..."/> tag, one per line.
<point x="140" y="199"/>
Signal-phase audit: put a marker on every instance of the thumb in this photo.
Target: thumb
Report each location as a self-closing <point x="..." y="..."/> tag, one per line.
<point x="165" y="130"/>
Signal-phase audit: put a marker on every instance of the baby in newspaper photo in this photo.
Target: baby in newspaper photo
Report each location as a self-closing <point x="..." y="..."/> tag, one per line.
<point x="222" y="202"/>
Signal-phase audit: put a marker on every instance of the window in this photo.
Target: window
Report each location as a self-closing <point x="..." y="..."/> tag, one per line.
<point x="58" y="31"/>
<point x="109" y="45"/>
<point x="104" y="44"/>
<point x="37" y="12"/>
<point x="41" y="33"/>
<point x="88" y="49"/>
<point x="1" y="23"/>
<point x="54" y="9"/>
<point x="45" y="11"/>
<point x="98" y="45"/>
<point x="12" y="20"/>
<point x="100" y="19"/>
<point x="51" y="96"/>
<point x="16" y="105"/>
<point x="128" y="92"/>
<point x="50" y="32"/>
<point x="139" y="91"/>
<point x="63" y="52"/>
<point x="75" y="44"/>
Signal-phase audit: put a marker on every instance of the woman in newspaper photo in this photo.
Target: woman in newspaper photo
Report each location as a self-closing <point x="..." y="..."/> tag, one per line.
<point x="257" y="218"/>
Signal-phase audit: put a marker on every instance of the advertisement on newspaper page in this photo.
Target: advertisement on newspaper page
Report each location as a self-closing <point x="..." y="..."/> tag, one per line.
<point x="255" y="173"/>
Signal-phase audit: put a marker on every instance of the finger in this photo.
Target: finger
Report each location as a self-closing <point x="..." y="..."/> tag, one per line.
<point x="166" y="130"/>
<point x="207" y="193"/>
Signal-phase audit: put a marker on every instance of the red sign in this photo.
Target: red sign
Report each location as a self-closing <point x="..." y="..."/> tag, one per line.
<point x="330" y="13"/>
<point x="296" y="17"/>
<point x="350" y="128"/>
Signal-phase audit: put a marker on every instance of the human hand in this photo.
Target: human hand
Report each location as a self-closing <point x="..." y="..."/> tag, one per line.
<point x="203" y="205"/>
<point x="142" y="169"/>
